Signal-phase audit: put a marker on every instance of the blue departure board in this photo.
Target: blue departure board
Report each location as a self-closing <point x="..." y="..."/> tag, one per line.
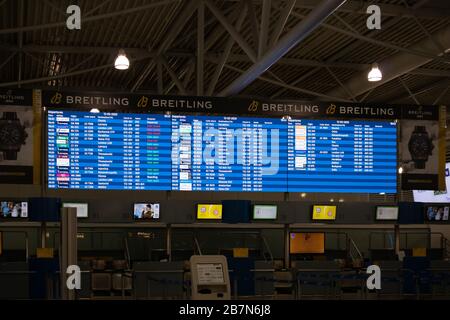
<point x="213" y="153"/>
<point x="342" y="156"/>
<point x="125" y="151"/>
<point x="109" y="151"/>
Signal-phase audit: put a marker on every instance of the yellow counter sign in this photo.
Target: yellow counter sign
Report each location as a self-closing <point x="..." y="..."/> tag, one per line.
<point x="324" y="213"/>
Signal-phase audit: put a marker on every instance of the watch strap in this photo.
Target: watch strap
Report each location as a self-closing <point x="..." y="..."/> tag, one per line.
<point x="9" y="116"/>
<point x="10" y="155"/>
<point x="419" y="164"/>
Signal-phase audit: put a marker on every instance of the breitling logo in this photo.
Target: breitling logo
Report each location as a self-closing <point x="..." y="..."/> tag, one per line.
<point x="56" y="99"/>
<point x="253" y="107"/>
<point x="143" y="102"/>
<point x="331" y="109"/>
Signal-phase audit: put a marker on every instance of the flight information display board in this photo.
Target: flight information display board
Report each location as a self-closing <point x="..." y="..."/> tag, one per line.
<point x="342" y="156"/>
<point x="219" y="153"/>
<point x="109" y="151"/>
<point x="228" y="154"/>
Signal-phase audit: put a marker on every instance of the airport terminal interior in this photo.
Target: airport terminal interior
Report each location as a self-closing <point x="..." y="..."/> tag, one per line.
<point x="224" y="150"/>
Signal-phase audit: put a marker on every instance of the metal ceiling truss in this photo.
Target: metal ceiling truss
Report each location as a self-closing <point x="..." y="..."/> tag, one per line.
<point x="441" y="95"/>
<point x="290" y="87"/>
<point x="270" y="43"/>
<point x="411" y="95"/>
<point x="390" y="10"/>
<point x="188" y="9"/>
<point x="88" y="19"/>
<point x="287" y="42"/>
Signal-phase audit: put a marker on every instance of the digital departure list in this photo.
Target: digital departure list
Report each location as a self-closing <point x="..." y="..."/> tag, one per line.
<point x="228" y="154"/>
<point x="109" y="151"/>
<point x="342" y="156"/>
<point x="219" y="153"/>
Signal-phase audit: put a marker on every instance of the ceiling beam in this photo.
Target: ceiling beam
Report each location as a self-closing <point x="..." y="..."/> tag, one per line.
<point x="290" y="40"/>
<point x="430" y="72"/>
<point x="264" y="28"/>
<point x="253" y="22"/>
<point x="411" y="95"/>
<point x="340" y="54"/>
<point x="410" y="50"/>
<point x="20" y="11"/>
<point x="284" y="85"/>
<point x="389" y="10"/>
<point x="173" y="76"/>
<point x="200" y="48"/>
<point x="65" y="75"/>
<point x="394" y="96"/>
<point x="231" y="30"/>
<point x="281" y="23"/>
<point x="186" y="12"/>
<point x="159" y="73"/>
<point x="6" y="61"/>
<point x="226" y="53"/>
<point x="89" y="19"/>
<point x="397" y="65"/>
<point x="386" y="9"/>
<point x="439" y="97"/>
<point x="140" y="52"/>
<point x="215" y="35"/>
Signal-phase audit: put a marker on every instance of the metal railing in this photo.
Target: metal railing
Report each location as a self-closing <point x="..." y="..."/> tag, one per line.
<point x="353" y="251"/>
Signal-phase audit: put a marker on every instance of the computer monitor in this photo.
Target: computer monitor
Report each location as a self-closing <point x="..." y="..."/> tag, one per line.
<point x="387" y="213"/>
<point x="13" y="209"/>
<point x="437" y="213"/>
<point x="209" y="211"/>
<point x="304" y="243"/>
<point x="324" y="212"/>
<point x="82" y="208"/>
<point x="264" y="212"/>
<point x="146" y="211"/>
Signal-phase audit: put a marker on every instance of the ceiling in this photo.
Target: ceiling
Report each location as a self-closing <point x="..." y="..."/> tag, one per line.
<point x="195" y="47"/>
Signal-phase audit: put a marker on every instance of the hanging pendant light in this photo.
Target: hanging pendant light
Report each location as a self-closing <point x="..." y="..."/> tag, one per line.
<point x="121" y="62"/>
<point x="374" y="74"/>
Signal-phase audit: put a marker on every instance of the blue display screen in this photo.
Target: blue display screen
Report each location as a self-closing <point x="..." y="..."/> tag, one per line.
<point x="219" y="153"/>
<point x="342" y="156"/>
<point x="228" y="154"/>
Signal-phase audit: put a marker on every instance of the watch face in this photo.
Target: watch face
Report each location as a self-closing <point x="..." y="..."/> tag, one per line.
<point x="11" y="135"/>
<point x="419" y="147"/>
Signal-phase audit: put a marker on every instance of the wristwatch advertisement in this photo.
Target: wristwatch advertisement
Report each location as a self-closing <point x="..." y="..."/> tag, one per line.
<point x="17" y="137"/>
<point x="12" y="135"/>
<point x="422" y="149"/>
<point x="420" y="146"/>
